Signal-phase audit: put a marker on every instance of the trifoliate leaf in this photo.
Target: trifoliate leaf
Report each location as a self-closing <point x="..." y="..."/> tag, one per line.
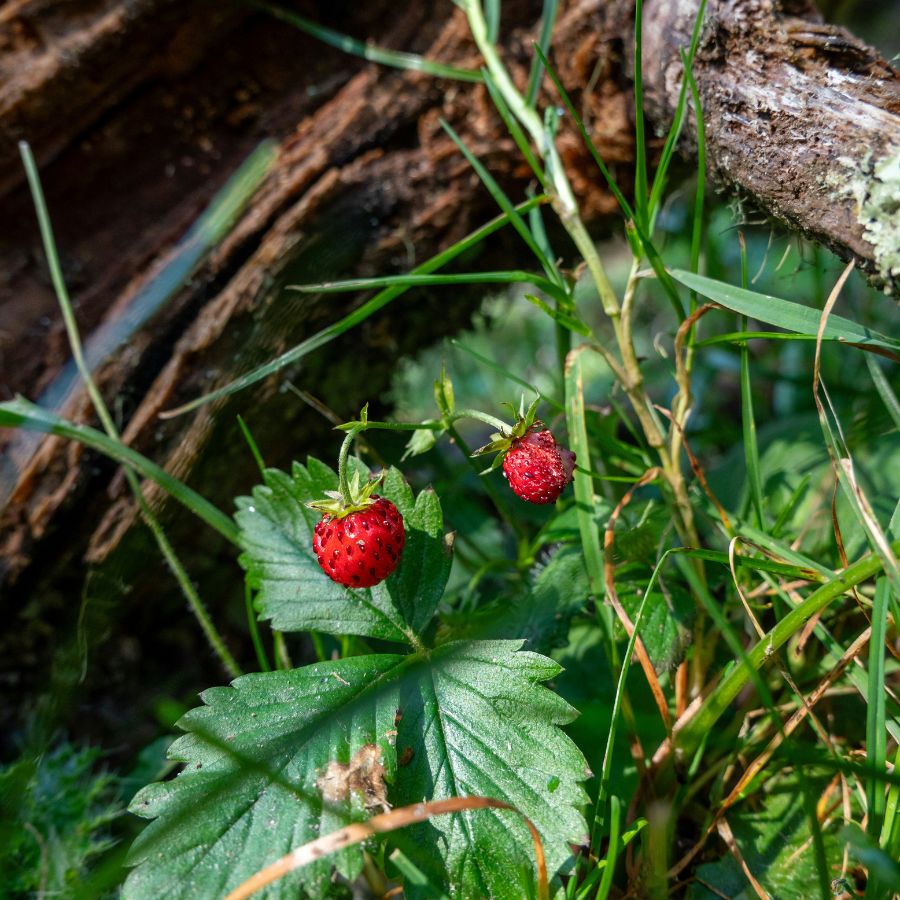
<point x="296" y="595"/>
<point x="264" y="762"/>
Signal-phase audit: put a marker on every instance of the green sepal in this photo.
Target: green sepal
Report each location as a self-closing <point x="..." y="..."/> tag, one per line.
<point x="360" y="496"/>
<point x="497" y="444"/>
<point x="422" y="440"/>
<point x="501" y="442"/>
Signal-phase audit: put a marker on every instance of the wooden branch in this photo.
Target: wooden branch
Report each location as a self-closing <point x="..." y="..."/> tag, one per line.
<point x="139" y="117"/>
<point x="801" y="118"/>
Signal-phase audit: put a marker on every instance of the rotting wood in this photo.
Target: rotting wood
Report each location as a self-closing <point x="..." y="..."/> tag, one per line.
<point x="365" y="183"/>
<point x="801" y="117"/>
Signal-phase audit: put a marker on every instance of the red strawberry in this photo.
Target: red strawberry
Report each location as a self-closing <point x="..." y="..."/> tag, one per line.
<point x="362" y="546"/>
<point x="537" y="468"/>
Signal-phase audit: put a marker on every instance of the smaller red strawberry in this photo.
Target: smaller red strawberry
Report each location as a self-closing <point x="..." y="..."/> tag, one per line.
<point x="358" y="543"/>
<point x="535" y="466"/>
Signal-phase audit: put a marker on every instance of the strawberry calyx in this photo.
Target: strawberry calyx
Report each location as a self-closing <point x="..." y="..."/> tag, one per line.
<point x="358" y="497"/>
<point x="502" y="441"/>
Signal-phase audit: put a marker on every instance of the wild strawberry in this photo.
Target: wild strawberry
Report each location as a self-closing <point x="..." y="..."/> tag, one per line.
<point x="537" y="468"/>
<point x="359" y="545"/>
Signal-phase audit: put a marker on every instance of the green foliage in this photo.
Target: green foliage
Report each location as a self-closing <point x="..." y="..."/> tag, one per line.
<point x="276" y="534"/>
<point x="772" y="836"/>
<point x="467" y="717"/>
<point x="473" y="716"/>
<point x="747" y="580"/>
<point x="55" y="818"/>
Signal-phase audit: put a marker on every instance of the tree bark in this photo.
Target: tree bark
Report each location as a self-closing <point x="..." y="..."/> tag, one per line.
<point x="139" y="112"/>
<point x="801" y="118"/>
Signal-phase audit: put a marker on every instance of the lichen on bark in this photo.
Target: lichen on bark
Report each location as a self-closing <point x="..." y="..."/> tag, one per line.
<point x="873" y="186"/>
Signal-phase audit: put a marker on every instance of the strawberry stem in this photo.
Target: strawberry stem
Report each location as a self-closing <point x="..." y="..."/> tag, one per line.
<point x="343" y="480"/>
<point x="499" y="424"/>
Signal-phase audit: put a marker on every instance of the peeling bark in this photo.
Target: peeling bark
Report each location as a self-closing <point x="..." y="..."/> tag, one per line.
<point x="801" y="117"/>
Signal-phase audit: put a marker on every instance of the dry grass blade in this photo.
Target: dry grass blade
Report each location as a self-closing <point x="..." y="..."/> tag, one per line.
<point x="837" y="448"/>
<point x="358" y="832"/>
<point x="732" y="548"/>
<point x="609" y="576"/>
<point x="726" y="834"/>
<point x="697" y="469"/>
<point x="790" y="726"/>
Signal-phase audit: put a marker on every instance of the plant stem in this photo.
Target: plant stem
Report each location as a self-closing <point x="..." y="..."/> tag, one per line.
<point x="562" y="199"/>
<point x="343" y="481"/>
<point x="688" y="736"/>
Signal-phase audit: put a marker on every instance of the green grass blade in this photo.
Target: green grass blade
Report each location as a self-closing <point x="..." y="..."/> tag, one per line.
<point x="612" y="854"/>
<point x="506" y="373"/>
<point x="204" y="235"/>
<point x="889" y="398"/>
<point x="653" y="256"/>
<point x="253" y="627"/>
<point x="584" y="485"/>
<point x="856" y="675"/>
<point x="659" y="177"/>
<point x="548" y="18"/>
<point x="759" y="682"/>
<point x="568" y="322"/>
<point x="320" y="338"/>
<point x="876" y="733"/>
<point x="748" y="422"/>
<point x="20" y="413"/>
<point x="699" y="196"/>
<point x="394" y="58"/>
<point x="412" y="280"/>
<point x="783" y="313"/>
<point x="501" y="200"/>
<point x="514" y="128"/>
<point x="791" y="505"/>
<point x="782" y="550"/>
<point x="624" y="205"/>
<point x="689" y="736"/>
<point x="740" y="337"/>
<point x="890" y="832"/>
<point x="492" y="17"/>
<point x="162" y="541"/>
<point x="251" y="443"/>
<point x="413" y="877"/>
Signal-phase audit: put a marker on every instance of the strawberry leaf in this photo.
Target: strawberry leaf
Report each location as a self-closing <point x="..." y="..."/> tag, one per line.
<point x="276" y="529"/>
<point x="467" y="718"/>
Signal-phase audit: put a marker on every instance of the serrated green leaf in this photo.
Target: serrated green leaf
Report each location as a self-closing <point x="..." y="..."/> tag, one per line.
<point x="295" y="594"/>
<point x="248" y="792"/>
<point x="417" y="586"/>
<point x="488" y="727"/>
<point x="468" y="718"/>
